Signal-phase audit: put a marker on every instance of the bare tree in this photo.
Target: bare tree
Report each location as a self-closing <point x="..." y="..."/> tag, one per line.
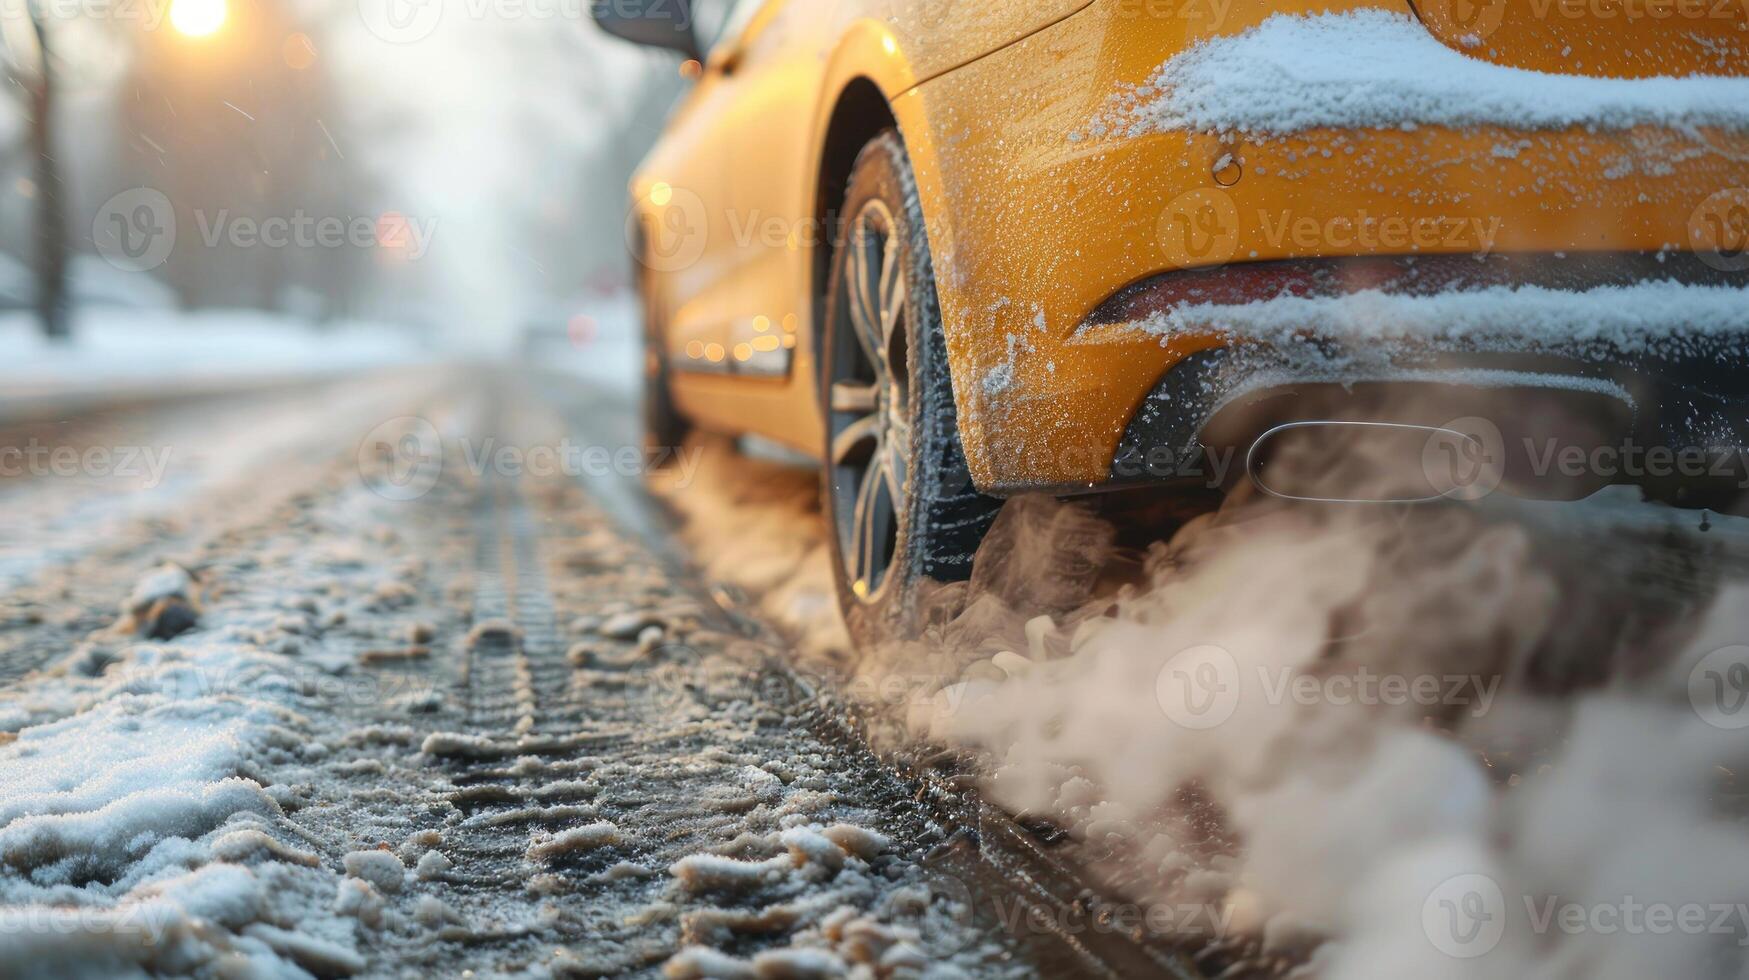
<point x="51" y="221"/>
<point x="34" y="78"/>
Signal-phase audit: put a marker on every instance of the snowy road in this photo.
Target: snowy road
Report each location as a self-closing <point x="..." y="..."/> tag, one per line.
<point x="419" y="672"/>
<point x="472" y="715"/>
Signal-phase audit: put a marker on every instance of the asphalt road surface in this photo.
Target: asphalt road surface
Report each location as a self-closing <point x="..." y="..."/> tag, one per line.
<point x="416" y="674"/>
<point x="406" y="675"/>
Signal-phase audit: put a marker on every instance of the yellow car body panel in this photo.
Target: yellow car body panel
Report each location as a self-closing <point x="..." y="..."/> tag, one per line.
<point x="736" y="171"/>
<point x="1036" y="217"/>
<point x="1617" y="38"/>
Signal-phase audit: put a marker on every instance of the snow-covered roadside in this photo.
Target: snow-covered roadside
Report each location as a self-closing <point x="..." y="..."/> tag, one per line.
<point x="135" y="837"/>
<point x="485" y="730"/>
<point x="120" y="347"/>
<point x="147" y="786"/>
<point x="1375" y="69"/>
<point x="181" y="465"/>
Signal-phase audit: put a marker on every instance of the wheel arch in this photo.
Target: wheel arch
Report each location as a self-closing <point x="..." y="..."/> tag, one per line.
<point x="860" y="113"/>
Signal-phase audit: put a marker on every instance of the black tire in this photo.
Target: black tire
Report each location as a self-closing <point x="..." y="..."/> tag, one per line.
<point x="938" y="518"/>
<point x="664" y="426"/>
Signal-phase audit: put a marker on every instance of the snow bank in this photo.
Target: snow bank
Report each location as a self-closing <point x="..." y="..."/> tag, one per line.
<point x="113" y="345"/>
<point x="1373" y="69"/>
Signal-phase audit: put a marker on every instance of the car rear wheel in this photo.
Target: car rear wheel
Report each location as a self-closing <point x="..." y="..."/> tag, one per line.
<point x="664" y="426"/>
<point x="900" y="505"/>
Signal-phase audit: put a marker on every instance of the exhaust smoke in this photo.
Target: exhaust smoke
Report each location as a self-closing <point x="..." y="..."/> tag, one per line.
<point x="1463" y="739"/>
<point x="1375" y="742"/>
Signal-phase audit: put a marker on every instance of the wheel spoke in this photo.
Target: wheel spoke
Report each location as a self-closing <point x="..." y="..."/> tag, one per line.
<point x="872" y="522"/>
<point x="859" y="399"/>
<point x="892" y="296"/>
<point x="854" y="444"/>
<point x="867" y="251"/>
<point x="869" y="404"/>
<point x="893" y="465"/>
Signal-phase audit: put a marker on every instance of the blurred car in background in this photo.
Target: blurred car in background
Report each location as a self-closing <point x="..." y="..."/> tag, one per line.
<point x="960" y="251"/>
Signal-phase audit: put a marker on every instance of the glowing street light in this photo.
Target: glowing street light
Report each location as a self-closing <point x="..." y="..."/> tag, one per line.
<point x="197" y="18"/>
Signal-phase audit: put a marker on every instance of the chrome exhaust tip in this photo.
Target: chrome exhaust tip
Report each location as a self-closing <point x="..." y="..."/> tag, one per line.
<point x="1332" y="461"/>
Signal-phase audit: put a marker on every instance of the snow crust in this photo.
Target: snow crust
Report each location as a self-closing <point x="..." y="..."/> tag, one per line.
<point x="1374" y="69"/>
<point x="132" y="820"/>
<point x="381" y="868"/>
<point x="139" y="830"/>
<point x="573" y="841"/>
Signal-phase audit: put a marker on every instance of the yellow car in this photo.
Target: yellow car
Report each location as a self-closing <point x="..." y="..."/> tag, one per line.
<point x="962" y="249"/>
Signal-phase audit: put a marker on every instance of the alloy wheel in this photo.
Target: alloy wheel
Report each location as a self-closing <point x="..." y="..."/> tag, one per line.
<point x="869" y="401"/>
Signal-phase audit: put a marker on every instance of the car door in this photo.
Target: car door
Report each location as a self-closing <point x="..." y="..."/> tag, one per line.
<point x="687" y="210"/>
<point x="772" y="58"/>
<point x="775" y="68"/>
<point x="678" y="225"/>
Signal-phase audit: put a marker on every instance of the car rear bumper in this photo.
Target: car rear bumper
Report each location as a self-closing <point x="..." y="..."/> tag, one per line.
<point x="1585" y="371"/>
<point x="1037" y="220"/>
<point x="1561" y="427"/>
<point x="1645" y="382"/>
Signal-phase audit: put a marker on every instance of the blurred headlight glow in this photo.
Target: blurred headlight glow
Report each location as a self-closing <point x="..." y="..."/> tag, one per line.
<point x="197" y="18"/>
